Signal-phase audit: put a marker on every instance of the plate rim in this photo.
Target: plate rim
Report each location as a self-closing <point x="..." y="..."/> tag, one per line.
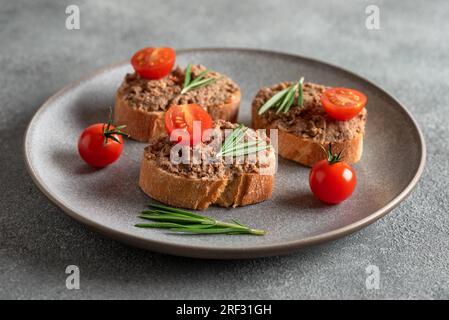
<point x="254" y="251"/>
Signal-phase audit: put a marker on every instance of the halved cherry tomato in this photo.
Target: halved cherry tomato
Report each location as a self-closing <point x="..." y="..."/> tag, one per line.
<point x="342" y="103"/>
<point x="153" y="63"/>
<point x="182" y="117"/>
<point x="332" y="180"/>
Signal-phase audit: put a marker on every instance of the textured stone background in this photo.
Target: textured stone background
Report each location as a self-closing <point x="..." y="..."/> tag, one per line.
<point x="407" y="56"/>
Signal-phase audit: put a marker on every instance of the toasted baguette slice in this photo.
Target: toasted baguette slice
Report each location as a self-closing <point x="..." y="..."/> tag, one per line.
<point x="145" y="123"/>
<point x="231" y="189"/>
<point x="302" y="147"/>
<point x="194" y="193"/>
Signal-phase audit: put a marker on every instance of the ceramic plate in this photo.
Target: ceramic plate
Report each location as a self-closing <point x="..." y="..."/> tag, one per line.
<point x="109" y="200"/>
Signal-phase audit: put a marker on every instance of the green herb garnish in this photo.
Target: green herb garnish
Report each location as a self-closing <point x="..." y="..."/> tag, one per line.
<point x="283" y="100"/>
<point x="236" y="145"/>
<point x="198" y="82"/>
<point x="179" y="220"/>
<point x="109" y="133"/>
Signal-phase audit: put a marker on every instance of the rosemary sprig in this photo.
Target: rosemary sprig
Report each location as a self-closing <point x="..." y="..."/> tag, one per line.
<point x="283" y="100"/>
<point x="198" y="82"/>
<point x="109" y="133"/>
<point x="184" y="221"/>
<point x="236" y="145"/>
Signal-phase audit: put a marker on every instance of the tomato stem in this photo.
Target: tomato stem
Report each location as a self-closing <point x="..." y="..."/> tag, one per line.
<point x="109" y="133"/>
<point x="331" y="157"/>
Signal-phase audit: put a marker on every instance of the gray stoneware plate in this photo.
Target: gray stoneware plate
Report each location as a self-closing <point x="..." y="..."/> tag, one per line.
<point x="109" y="200"/>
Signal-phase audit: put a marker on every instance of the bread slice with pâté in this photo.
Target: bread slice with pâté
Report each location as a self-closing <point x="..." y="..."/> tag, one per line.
<point x="305" y="129"/>
<point x="215" y="177"/>
<point x="140" y="104"/>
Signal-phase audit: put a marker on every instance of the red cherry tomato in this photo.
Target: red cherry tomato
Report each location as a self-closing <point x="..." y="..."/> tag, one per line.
<point x="332" y="180"/>
<point x="153" y="63"/>
<point x="93" y="149"/>
<point x="342" y="103"/>
<point x="182" y="117"/>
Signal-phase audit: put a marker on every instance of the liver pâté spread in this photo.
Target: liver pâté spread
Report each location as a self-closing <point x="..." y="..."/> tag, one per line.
<point x="158" y="95"/>
<point x="311" y="121"/>
<point x="159" y="151"/>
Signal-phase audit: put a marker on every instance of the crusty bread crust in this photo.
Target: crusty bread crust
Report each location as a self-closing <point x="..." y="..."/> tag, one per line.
<point x="140" y="124"/>
<point x="194" y="193"/>
<point x="307" y="151"/>
<point x="143" y="125"/>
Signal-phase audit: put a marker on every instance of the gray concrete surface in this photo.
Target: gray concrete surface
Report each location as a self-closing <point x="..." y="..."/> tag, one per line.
<point x="407" y="56"/>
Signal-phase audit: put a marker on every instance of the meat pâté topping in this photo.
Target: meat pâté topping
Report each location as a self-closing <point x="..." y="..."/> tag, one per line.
<point x="160" y="150"/>
<point x="158" y="95"/>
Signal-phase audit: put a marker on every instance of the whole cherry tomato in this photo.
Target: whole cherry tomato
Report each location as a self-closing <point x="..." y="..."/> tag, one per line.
<point x="332" y="180"/>
<point x="101" y="144"/>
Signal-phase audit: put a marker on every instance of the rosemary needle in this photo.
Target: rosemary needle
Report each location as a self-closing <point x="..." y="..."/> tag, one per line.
<point x="198" y="82"/>
<point x="273" y="100"/>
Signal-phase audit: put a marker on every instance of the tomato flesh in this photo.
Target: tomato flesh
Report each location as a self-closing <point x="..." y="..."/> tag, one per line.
<point x="332" y="183"/>
<point x="183" y="119"/>
<point x="153" y="63"/>
<point x="94" y="151"/>
<point x="343" y="103"/>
